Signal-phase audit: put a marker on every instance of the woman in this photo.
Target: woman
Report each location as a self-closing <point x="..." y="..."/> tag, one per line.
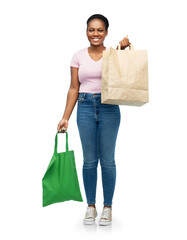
<point x="97" y="123"/>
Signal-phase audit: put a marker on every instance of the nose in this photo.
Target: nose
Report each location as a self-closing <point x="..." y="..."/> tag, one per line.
<point x="95" y="33"/>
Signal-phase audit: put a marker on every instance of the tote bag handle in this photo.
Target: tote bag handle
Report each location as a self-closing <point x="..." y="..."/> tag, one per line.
<point x="56" y="143"/>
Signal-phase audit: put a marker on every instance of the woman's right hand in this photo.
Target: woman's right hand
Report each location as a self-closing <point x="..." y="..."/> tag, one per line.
<point x="62" y="124"/>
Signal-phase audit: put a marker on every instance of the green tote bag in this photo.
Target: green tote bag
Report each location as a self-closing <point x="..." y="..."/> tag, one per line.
<point x="60" y="182"/>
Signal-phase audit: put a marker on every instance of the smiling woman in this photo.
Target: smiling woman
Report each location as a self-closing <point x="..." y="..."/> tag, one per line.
<point x="97" y="30"/>
<point x="97" y="123"/>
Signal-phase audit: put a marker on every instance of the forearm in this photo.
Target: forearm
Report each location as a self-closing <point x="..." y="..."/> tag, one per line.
<point x="70" y="102"/>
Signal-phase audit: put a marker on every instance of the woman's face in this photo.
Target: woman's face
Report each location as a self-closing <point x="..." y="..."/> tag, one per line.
<point x="96" y="32"/>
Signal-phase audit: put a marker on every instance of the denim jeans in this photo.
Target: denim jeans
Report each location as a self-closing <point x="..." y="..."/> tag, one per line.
<point x="98" y="126"/>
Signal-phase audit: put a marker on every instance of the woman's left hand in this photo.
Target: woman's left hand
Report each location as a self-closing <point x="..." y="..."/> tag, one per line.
<point x="124" y="43"/>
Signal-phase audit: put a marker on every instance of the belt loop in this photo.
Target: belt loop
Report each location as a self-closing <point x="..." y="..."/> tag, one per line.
<point x="84" y="95"/>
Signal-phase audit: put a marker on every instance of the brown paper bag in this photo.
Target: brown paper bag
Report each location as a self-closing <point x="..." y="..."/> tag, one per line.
<point x="124" y="77"/>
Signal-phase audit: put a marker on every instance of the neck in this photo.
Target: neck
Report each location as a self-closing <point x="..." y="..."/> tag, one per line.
<point x="99" y="48"/>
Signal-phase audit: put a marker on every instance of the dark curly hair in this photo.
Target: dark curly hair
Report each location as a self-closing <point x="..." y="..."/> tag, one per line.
<point x="101" y="17"/>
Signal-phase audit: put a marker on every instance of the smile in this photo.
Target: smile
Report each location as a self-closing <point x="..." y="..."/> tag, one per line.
<point x="96" y="39"/>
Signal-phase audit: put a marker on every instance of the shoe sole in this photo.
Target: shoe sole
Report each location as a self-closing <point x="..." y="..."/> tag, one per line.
<point x="89" y="222"/>
<point x="103" y="223"/>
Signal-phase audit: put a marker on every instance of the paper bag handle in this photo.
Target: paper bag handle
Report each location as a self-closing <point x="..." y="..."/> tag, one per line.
<point x="130" y="44"/>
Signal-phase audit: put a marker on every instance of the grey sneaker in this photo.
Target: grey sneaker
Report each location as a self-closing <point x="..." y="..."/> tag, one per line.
<point x="91" y="214"/>
<point x="106" y="216"/>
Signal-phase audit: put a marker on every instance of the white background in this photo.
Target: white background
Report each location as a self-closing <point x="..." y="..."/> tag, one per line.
<point x="37" y="41"/>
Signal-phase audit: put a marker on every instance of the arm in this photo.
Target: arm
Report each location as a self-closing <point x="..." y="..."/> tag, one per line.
<point x="71" y="98"/>
<point x="72" y="93"/>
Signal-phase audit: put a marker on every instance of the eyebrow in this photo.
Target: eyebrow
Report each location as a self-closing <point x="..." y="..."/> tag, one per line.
<point x="96" y="28"/>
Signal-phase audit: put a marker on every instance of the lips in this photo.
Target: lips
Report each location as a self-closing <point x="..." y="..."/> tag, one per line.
<point x="96" y="39"/>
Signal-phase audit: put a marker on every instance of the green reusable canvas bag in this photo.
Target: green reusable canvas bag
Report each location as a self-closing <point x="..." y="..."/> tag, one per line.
<point x="60" y="182"/>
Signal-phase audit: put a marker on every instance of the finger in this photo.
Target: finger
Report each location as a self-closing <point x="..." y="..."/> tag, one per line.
<point x="118" y="45"/>
<point x="125" y="42"/>
<point x="59" y="127"/>
<point x="63" y="129"/>
<point x="122" y="44"/>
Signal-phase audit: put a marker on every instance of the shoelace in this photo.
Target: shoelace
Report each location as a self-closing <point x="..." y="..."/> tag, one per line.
<point x="106" y="213"/>
<point x="90" y="212"/>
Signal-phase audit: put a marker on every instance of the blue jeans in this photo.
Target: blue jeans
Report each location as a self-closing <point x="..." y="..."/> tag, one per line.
<point x="98" y="126"/>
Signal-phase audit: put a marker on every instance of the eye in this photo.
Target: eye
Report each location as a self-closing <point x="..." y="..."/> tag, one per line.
<point x="91" y="30"/>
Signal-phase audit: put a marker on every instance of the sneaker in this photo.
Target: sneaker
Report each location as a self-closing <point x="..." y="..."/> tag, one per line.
<point x="106" y="217"/>
<point x="90" y="216"/>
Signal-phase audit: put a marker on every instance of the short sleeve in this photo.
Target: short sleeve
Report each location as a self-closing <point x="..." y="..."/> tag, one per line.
<point x="75" y="61"/>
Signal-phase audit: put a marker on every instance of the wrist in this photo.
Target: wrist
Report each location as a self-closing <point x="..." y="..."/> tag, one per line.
<point x="65" y="119"/>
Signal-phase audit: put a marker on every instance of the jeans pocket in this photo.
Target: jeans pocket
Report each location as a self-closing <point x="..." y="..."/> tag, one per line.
<point x="80" y="99"/>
